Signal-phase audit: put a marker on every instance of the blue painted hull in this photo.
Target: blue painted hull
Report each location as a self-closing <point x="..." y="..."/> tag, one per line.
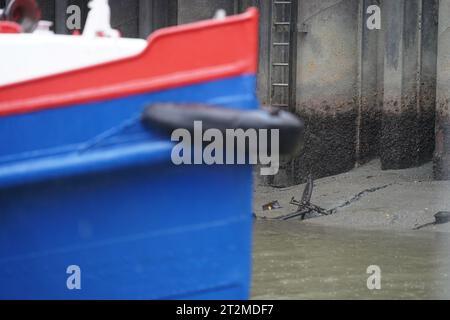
<point x="87" y="185"/>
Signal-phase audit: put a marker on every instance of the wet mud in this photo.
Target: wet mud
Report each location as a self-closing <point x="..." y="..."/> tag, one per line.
<point x="330" y="147"/>
<point x="441" y="161"/>
<point x="407" y="138"/>
<point x="339" y="136"/>
<point x="369" y="134"/>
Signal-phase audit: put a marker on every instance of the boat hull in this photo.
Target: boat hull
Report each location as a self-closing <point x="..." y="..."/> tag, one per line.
<point x="137" y="226"/>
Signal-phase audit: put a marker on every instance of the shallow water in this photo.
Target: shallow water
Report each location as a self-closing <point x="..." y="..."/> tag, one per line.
<point x="293" y="260"/>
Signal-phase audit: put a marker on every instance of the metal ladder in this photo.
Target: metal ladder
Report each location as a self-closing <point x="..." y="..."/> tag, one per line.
<point x="280" y="54"/>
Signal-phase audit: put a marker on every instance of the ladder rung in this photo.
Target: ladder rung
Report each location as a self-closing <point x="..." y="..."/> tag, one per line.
<point x="282" y="23"/>
<point x="282" y="44"/>
<point x="282" y="2"/>
<point x="280" y="105"/>
<point x="281" y="64"/>
<point x="280" y="84"/>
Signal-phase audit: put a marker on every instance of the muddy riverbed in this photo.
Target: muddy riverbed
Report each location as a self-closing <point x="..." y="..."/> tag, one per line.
<point x="368" y="198"/>
<point x="376" y="211"/>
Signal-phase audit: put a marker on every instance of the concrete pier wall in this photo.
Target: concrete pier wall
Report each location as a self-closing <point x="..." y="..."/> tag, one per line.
<point x="365" y="93"/>
<point x="338" y="89"/>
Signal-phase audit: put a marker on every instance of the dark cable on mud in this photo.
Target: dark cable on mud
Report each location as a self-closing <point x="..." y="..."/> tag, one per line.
<point x="307" y="210"/>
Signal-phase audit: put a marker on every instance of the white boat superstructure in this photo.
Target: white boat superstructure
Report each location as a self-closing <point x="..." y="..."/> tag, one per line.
<point x="26" y="56"/>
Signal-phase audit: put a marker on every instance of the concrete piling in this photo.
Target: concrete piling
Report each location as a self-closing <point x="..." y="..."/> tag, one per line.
<point x="407" y="136"/>
<point x="327" y="61"/>
<point x="442" y="153"/>
<point x="370" y="81"/>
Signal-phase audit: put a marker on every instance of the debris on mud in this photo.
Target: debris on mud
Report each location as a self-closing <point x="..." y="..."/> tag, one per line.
<point x="440" y="218"/>
<point x="274" y="205"/>
<point x="306" y="210"/>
